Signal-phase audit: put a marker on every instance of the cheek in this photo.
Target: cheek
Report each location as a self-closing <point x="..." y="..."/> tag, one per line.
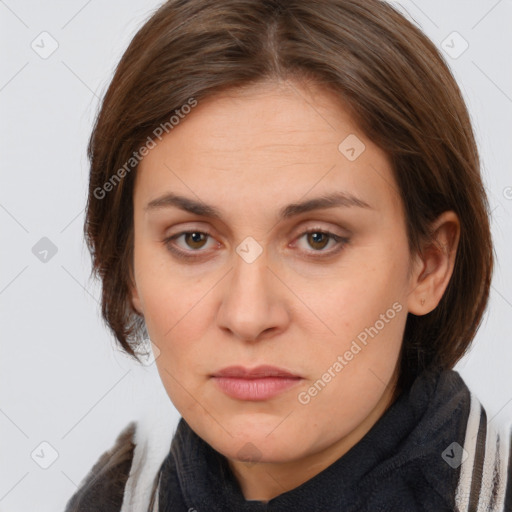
<point x="176" y="316"/>
<point x="356" y="299"/>
<point x="355" y="370"/>
<point x="166" y="295"/>
<point x="177" y="324"/>
<point x="367" y="314"/>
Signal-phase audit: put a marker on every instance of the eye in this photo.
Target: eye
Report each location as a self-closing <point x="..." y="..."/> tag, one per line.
<point x="193" y="240"/>
<point x="197" y="238"/>
<point x="319" y="239"/>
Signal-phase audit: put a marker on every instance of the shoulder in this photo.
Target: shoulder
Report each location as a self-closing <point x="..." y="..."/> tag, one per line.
<point x="472" y="450"/>
<point x="125" y="477"/>
<point x="485" y="459"/>
<point x="105" y="483"/>
<point x="455" y="458"/>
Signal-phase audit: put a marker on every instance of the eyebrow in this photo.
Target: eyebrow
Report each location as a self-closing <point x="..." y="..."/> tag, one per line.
<point x="336" y="199"/>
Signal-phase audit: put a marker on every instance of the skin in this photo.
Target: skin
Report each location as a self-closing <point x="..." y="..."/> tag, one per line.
<point x="299" y="304"/>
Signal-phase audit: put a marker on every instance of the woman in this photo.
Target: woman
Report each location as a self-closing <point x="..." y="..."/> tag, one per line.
<point x="285" y="197"/>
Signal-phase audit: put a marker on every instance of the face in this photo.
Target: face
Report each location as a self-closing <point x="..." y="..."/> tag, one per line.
<point x="319" y="291"/>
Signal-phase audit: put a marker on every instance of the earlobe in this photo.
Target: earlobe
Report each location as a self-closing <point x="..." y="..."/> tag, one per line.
<point x="135" y="300"/>
<point x="136" y="305"/>
<point x="434" y="267"/>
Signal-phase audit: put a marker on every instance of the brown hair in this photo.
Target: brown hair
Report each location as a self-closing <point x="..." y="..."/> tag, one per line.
<point x="390" y="76"/>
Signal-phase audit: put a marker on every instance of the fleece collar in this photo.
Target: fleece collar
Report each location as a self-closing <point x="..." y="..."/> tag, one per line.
<point x="401" y="462"/>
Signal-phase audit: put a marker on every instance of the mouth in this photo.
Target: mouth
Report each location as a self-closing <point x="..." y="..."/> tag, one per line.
<point x="256" y="384"/>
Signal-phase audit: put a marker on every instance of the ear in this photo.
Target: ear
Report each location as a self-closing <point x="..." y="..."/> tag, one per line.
<point x="134" y="294"/>
<point x="433" y="268"/>
<point x="135" y="300"/>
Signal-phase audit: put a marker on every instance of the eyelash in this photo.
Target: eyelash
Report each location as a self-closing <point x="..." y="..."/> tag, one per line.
<point x="340" y="242"/>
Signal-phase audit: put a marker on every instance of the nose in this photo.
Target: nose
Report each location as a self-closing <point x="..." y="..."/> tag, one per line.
<point x="253" y="304"/>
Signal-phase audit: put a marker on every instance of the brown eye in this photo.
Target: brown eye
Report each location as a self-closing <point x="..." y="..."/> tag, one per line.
<point x="317" y="239"/>
<point x="195" y="239"/>
<point x="192" y="245"/>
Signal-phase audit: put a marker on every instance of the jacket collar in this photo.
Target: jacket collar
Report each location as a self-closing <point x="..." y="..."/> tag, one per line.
<point x="409" y="438"/>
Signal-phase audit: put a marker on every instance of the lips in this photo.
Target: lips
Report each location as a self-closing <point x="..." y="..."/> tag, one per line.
<point x="256" y="384"/>
<point x="254" y="373"/>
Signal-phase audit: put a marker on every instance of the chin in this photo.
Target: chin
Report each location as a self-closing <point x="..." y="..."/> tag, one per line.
<point x="255" y="445"/>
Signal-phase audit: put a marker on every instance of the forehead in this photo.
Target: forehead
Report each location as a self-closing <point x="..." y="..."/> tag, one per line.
<point x="267" y="145"/>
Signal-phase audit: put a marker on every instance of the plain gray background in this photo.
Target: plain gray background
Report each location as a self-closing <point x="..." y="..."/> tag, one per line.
<point x="62" y="379"/>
